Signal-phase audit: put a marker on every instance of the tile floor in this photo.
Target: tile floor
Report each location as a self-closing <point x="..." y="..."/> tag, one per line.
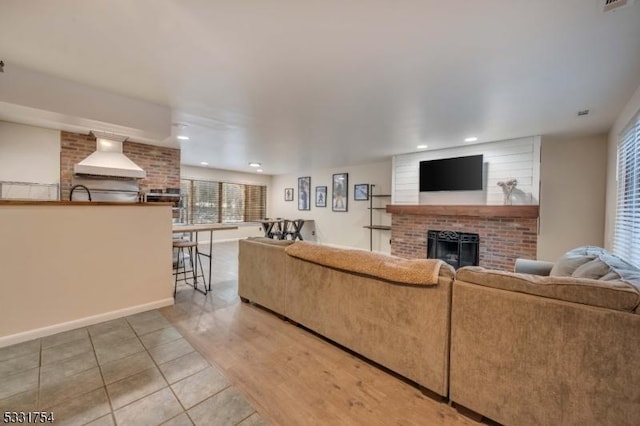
<point x="137" y="370"/>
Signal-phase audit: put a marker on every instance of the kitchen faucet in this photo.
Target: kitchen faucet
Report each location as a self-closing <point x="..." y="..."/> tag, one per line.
<point x="79" y="186"/>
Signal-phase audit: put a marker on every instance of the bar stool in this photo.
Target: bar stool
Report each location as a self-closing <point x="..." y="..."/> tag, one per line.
<point x="192" y="248"/>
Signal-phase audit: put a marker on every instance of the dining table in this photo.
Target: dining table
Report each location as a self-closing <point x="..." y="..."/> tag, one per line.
<point x="282" y="229"/>
<point x="192" y="229"/>
<point x="268" y="226"/>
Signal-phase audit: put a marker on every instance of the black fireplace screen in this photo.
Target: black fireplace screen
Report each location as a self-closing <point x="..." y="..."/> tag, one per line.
<point x="458" y="249"/>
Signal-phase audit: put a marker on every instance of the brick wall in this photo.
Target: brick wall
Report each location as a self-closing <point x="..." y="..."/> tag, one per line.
<point x="161" y="164"/>
<point x="502" y="240"/>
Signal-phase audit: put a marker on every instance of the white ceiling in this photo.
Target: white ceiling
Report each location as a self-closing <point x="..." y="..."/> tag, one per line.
<point x="300" y="85"/>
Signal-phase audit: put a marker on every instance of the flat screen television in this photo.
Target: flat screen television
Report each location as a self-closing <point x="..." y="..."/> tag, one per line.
<point x="451" y="174"/>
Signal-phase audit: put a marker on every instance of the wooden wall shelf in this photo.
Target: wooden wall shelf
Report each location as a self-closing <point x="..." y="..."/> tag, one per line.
<point x="381" y="208"/>
<point x="378" y="227"/>
<point x="527" y="211"/>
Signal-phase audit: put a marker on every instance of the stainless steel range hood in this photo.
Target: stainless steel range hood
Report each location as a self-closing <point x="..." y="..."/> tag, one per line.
<point x="108" y="160"/>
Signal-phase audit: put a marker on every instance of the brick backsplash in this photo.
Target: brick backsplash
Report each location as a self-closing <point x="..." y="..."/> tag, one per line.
<point x="161" y="164"/>
<point x="502" y="240"/>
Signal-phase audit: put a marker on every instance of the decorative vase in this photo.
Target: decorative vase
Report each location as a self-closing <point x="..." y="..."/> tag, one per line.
<point x="507" y="189"/>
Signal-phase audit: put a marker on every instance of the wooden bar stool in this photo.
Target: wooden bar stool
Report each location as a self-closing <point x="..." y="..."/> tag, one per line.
<point x="192" y="248"/>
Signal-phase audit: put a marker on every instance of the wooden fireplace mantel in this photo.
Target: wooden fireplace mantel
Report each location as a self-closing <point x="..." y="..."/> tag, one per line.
<point x="528" y="211"/>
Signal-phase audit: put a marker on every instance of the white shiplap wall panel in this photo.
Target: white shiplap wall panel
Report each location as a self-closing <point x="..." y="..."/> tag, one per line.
<point x="503" y="160"/>
<point x="518" y="148"/>
<point x="522" y="181"/>
<point x="518" y="165"/>
<point x="510" y="158"/>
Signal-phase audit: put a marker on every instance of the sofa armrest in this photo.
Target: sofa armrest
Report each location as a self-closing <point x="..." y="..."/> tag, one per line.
<point x="534" y="267"/>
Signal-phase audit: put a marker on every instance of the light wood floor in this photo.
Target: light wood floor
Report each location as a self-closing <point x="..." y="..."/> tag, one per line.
<point x="291" y="376"/>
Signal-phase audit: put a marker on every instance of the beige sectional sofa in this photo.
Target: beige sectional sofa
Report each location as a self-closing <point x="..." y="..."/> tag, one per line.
<point x="392" y="311"/>
<point x="520" y="349"/>
<point x="562" y="349"/>
<point x="261" y="272"/>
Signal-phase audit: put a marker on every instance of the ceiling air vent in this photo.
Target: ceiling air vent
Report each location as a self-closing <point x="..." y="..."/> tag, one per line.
<point x="615" y="4"/>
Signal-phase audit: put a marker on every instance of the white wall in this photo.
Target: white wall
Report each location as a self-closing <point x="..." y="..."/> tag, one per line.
<point x="572" y="194"/>
<point x="207" y="173"/>
<point x="629" y="111"/>
<point x="29" y="154"/>
<point x="516" y="158"/>
<point x="338" y="228"/>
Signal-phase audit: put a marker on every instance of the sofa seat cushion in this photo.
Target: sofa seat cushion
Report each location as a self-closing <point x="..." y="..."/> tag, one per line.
<point x="618" y="295"/>
<point x="389" y="268"/>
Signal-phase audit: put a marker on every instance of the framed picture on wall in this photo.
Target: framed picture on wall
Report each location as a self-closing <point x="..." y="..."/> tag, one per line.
<point x="321" y="196"/>
<point x="304" y="192"/>
<point x="340" y="192"/>
<point x="288" y="194"/>
<point x="361" y="192"/>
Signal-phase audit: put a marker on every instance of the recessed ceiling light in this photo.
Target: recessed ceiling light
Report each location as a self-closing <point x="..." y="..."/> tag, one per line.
<point x="259" y="170"/>
<point x="254" y="164"/>
<point x="471" y="139"/>
<point x="204" y="163"/>
<point x="183" y="138"/>
<point x="421" y="146"/>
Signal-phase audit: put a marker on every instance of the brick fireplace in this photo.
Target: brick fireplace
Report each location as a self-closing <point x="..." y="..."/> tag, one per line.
<point x="506" y="232"/>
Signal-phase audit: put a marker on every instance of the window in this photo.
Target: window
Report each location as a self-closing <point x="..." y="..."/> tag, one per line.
<point x="222" y="202"/>
<point x="626" y="242"/>
<point x="232" y="203"/>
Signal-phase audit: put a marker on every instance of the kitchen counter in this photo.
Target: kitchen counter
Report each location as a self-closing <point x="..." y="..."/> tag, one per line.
<point x="87" y="262"/>
<point x="179" y="227"/>
<point x="77" y="203"/>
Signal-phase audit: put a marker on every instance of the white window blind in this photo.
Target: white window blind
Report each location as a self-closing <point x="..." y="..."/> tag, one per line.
<point x="626" y="243"/>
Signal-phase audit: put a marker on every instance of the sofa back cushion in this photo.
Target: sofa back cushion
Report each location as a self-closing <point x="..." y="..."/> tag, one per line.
<point x="389" y="268"/>
<point x="615" y="294"/>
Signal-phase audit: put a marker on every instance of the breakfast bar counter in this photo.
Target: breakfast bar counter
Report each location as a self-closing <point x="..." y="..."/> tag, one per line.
<point x="57" y="203"/>
<point x="71" y="264"/>
<point x="194" y="229"/>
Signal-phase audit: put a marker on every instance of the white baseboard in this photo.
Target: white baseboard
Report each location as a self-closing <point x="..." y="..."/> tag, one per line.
<point x="12" y="339"/>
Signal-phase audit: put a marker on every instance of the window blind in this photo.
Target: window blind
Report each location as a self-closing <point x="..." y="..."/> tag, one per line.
<point x="626" y="243"/>
<point x="205" y="202"/>
<point x="222" y="202"/>
<point x="185" y="200"/>
<point x="232" y="203"/>
<point x="255" y="207"/>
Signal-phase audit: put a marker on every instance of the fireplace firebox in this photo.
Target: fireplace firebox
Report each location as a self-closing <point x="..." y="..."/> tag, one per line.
<point x="458" y="249"/>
